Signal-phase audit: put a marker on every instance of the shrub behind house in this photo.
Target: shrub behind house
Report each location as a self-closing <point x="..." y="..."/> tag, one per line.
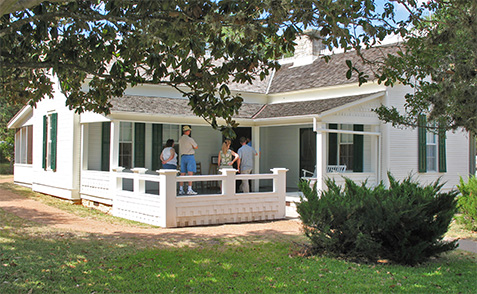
<point x="404" y="223"/>
<point x="468" y="203"/>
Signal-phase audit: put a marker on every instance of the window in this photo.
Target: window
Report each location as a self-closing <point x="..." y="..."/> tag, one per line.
<point x="125" y="144"/>
<point x="50" y="123"/>
<point x="346" y="149"/>
<point x="105" y="145"/>
<point x="23" y="145"/>
<point x="170" y="132"/>
<point x="431" y="147"/>
<point x="431" y="151"/>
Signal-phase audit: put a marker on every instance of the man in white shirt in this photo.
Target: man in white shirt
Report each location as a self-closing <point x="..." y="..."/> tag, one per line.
<point x="187" y="147"/>
<point x="246" y="154"/>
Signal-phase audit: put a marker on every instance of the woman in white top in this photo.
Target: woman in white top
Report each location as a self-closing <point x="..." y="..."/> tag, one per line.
<point x="169" y="156"/>
<point x="227" y="157"/>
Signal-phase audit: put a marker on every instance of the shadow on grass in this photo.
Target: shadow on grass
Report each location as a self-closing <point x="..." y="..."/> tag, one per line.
<point x="38" y="255"/>
<point x="36" y="260"/>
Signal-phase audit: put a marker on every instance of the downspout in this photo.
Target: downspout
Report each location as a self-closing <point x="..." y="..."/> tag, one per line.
<point x="472" y="154"/>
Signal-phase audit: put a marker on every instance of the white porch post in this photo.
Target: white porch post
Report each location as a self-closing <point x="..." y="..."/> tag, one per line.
<point x="228" y="184"/>
<point x="114" y="158"/>
<point x="256" y="146"/>
<point x="139" y="185"/>
<point x="167" y="194"/>
<point x="84" y="146"/>
<point x="280" y="188"/>
<point x="114" y="145"/>
<point x="320" y="155"/>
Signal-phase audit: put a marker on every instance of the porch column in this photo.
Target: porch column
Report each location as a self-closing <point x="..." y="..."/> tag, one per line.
<point x="84" y="146"/>
<point x="320" y="155"/>
<point x="256" y="164"/>
<point x="114" y="146"/>
<point x="280" y="188"/>
<point x="167" y="194"/>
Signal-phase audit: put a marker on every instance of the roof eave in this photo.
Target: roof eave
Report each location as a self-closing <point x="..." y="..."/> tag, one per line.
<point x="14" y="122"/>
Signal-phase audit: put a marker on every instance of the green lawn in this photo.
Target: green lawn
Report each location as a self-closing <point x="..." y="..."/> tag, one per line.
<point x="37" y="259"/>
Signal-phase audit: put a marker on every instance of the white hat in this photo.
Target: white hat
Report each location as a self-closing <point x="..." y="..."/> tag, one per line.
<point x="186" y="128"/>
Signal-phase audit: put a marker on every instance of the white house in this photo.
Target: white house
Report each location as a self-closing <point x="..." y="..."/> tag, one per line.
<point x="304" y="115"/>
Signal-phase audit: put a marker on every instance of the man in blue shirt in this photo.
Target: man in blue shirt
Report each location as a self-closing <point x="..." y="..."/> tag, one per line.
<point x="246" y="154"/>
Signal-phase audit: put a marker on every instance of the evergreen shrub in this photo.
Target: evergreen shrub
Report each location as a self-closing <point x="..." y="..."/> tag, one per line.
<point x="467" y="202"/>
<point x="404" y="223"/>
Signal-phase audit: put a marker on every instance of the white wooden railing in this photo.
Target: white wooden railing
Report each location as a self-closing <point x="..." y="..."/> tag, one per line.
<point x="96" y="186"/>
<point x="169" y="210"/>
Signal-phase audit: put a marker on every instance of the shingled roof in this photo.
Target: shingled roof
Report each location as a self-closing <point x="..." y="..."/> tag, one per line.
<point x="324" y="74"/>
<point x="288" y="78"/>
<point x="168" y="106"/>
<point x="179" y="107"/>
<point x="312" y="107"/>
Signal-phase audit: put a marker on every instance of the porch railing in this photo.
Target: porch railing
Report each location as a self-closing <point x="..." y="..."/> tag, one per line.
<point x="96" y="186"/>
<point x="167" y="209"/>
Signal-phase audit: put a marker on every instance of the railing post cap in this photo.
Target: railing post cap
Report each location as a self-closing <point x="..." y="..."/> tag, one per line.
<point x="167" y="171"/>
<point x="227" y="171"/>
<point x="279" y="169"/>
<point x="139" y="170"/>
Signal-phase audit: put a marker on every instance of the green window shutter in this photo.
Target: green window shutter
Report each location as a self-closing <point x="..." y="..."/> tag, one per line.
<point x="422" y="154"/>
<point x="333" y="145"/>
<point x="156" y="146"/>
<point x="442" y="151"/>
<point x="105" y="145"/>
<point x="358" y="149"/>
<point x="54" y="132"/>
<point x="45" y="140"/>
<point x="139" y="144"/>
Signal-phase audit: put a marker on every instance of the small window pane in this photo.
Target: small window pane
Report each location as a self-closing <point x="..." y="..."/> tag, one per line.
<point x="432" y="158"/>
<point x="126" y="132"/>
<point x="125" y="155"/>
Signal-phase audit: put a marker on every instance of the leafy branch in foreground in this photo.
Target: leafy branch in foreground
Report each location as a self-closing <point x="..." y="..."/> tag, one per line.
<point x="439" y="61"/>
<point x="198" y="47"/>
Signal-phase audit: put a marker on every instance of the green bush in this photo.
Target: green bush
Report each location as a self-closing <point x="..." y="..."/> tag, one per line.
<point x="5" y="169"/>
<point x="404" y="223"/>
<point x="467" y="202"/>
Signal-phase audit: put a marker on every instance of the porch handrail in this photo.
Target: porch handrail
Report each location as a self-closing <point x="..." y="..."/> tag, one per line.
<point x="168" y="209"/>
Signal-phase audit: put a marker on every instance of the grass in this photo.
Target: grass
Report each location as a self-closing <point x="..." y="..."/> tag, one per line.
<point x="38" y="259"/>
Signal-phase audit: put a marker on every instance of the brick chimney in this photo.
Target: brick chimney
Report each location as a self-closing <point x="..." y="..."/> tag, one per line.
<point x="307" y="48"/>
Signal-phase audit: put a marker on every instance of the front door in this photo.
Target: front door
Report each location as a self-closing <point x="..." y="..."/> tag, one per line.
<point x="307" y="150"/>
<point x="240" y="132"/>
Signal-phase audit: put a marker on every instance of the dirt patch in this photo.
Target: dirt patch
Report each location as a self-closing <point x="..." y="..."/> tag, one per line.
<point x="63" y="222"/>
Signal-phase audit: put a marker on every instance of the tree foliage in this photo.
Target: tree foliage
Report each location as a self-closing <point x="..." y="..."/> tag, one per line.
<point x="439" y="60"/>
<point x="196" y="46"/>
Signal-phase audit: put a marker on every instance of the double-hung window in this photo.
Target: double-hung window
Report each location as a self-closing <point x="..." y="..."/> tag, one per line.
<point x="346" y="149"/>
<point x="50" y="125"/>
<point x="23" y="145"/>
<point x="126" y="144"/>
<point x="431" y="146"/>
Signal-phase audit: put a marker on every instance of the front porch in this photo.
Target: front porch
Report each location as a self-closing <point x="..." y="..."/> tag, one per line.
<point x="167" y="209"/>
